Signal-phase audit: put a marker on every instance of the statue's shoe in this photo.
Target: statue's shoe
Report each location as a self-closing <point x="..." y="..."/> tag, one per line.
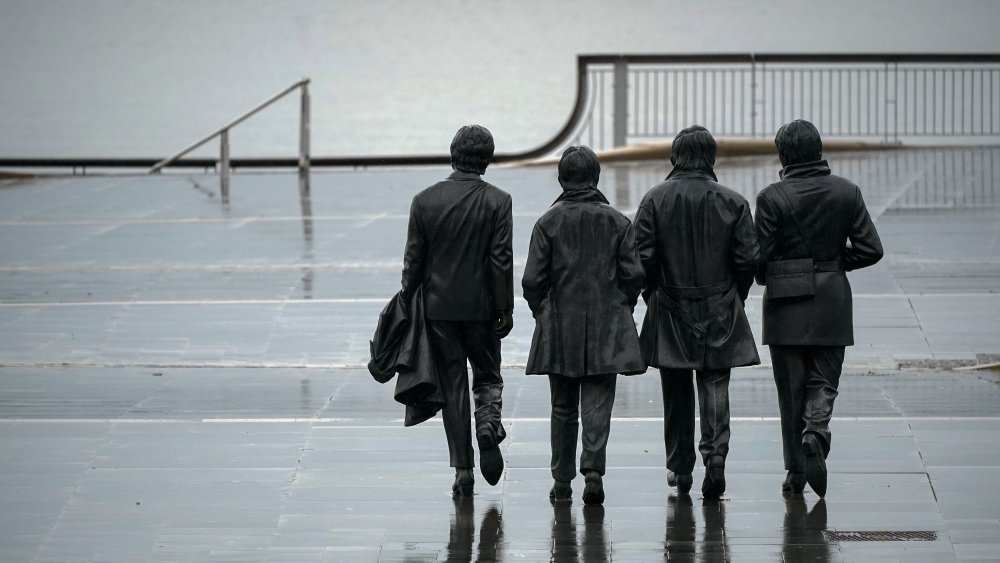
<point x="815" y="464"/>
<point x="794" y="483"/>
<point x="561" y="492"/>
<point x="490" y="458"/>
<point x="593" y="489"/>
<point x="464" y="483"/>
<point x="715" y="478"/>
<point x="682" y="481"/>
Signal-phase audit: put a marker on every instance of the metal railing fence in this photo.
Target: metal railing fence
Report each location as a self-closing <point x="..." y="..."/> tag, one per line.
<point x="882" y="97"/>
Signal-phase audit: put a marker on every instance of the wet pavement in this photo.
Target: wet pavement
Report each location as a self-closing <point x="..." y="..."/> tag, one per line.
<point x="181" y="380"/>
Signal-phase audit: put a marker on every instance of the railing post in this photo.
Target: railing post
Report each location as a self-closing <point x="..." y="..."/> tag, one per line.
<point x="620" y="121"/>
<point x="224" y="164"/>
<point x="753" y="96"/>
<point x="304" y="130"/>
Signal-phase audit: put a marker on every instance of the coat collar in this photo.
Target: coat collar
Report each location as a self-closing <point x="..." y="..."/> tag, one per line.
<point x="583" y="195"/>
<point x="459" y="175"/>
<point x="805" y="170"/>
<point x="677" y="174"/>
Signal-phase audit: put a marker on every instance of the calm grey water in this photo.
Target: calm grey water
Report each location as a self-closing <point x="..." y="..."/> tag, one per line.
<point x="122" y="78"/>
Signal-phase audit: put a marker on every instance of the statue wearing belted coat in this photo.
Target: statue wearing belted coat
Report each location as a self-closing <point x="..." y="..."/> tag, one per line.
<point x="697" y="244"/>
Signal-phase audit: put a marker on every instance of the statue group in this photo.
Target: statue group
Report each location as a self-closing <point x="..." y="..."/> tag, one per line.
<point x="692" y="253"/>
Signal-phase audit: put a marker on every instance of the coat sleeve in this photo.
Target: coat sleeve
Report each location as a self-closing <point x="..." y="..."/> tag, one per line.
<point x="501" y="259"/>
<point x="866" y="247"/>
<point x="538" y="270"/>
<point x="744" y="253"/>
<point x="766" y="225"/>
<point x="631" y="276"/>
<point x="646" y="246"/>
<point x="414" y="253"/>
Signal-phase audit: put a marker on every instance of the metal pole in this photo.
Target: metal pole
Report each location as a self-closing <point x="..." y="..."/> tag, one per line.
<point x="753" y="96"/>
<point x="304" y="129"/>
<point x="620" y="121"/>
<point x="224" y="164"/>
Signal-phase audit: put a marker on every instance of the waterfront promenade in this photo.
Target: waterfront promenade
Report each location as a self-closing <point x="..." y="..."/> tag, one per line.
<point x="181" y="379"/>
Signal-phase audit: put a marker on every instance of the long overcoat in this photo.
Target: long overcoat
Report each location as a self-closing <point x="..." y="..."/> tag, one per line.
<point x="832" y="213"/>
<point x="581" y="281"/>
<point x="698" y="248"/>
<point x="458" y="249"/>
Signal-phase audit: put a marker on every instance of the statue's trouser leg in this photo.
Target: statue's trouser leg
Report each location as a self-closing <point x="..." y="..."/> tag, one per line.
<point x="454" y="380"/>
<point x="597" y="397"/>
<point x="789" y="366"/>
<point x="713" y="405"/>
<point x="678" y="419"/>
<point x="482" y="347"/>
<point x="822" y="379"/>
<point x="564" y="425"/>
<point x="806" y="378"/>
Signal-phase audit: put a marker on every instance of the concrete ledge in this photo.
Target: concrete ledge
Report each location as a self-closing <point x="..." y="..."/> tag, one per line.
<point x="9" y="175"/>
<point x="660" y="150"/>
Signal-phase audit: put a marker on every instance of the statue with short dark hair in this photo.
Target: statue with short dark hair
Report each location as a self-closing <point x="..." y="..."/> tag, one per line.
<point x="458" y="254"/>
<point x="581" y="281"/>
<point x="697" y="244"/>
<point x="813" y="228"/>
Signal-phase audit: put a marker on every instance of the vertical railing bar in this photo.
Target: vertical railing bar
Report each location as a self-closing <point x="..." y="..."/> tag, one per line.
<point x="934" y="88"/>
<point x="224" y="164"/>
<point x="879" y="95"/>
<point x="656" y="102"/>
<point x="685" y="122"/>
<point x="982" y="107"/>
<point x="676" y="107"/>
<point x="715" y="96"/>
<point x="635" y="117"/>
<point x="961" y="108"/>
<point x="602" y="125"/>
<point x="722" y="101"/>
<point x="774" y="97"/>
<point x="305" y="112"/>
<point x="954" y="101"/>
<point x="840" y="102"/>
<point x="870" y="103"/>
<point x="755" y="75"/>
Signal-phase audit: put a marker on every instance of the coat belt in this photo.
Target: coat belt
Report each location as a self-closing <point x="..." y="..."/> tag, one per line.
<point x="669" y="297"/>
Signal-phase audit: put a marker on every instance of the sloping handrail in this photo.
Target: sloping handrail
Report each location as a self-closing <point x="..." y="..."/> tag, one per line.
<point x="223" y="134"/>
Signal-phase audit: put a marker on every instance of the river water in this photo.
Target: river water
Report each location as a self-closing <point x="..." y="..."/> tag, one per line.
<point x="122" y="78"/>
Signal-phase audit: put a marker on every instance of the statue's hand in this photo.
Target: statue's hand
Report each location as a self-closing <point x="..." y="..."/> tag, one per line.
<point x="504" y="324"/>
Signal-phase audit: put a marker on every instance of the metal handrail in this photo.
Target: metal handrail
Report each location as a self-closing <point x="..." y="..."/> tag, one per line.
<point x="577" y="117"/>
<point x="223" y="134"/>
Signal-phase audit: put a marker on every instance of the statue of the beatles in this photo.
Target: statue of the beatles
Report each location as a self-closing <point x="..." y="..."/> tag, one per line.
<point x="692" y="253"/>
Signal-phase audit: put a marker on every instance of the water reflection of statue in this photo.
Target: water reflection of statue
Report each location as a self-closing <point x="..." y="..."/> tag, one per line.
<point x="681" y="544"/>
<point x="803" y="531"/>
<point x="567" y="545"/>
<point x="462" y="535"/>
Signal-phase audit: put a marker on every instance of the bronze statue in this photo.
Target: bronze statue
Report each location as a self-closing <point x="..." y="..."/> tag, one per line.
<point x="581" y="281"/>
<point x="813" y="227"/>
<point x="697" y="245"/>
<point x="458" y="255"/>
